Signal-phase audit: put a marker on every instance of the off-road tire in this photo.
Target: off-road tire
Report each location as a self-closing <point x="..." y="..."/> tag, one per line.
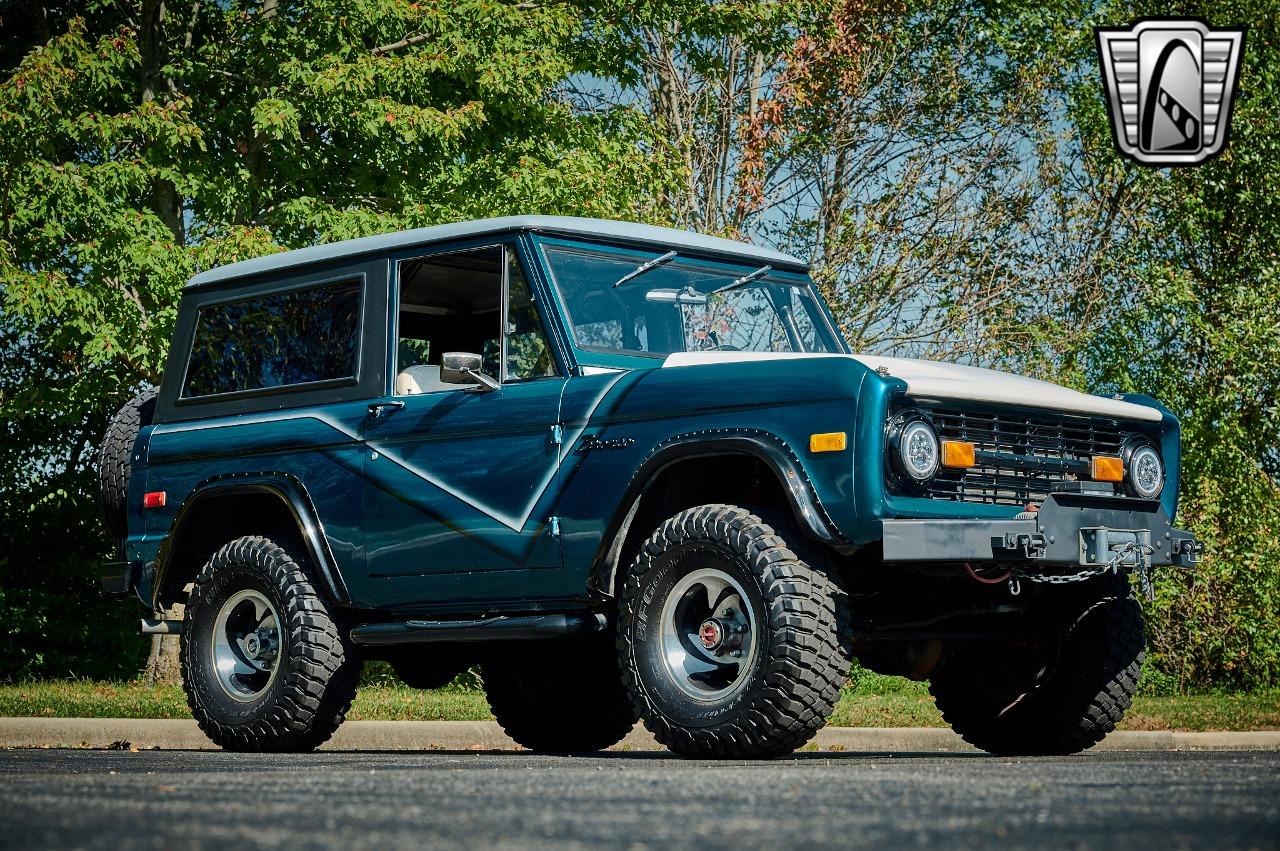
<point x="562" y="696"/>
<point x="804" y="638"/>
<point x="115" y="459"/>
<point x="317" y="672"/>
<point x="1086" y="687"/>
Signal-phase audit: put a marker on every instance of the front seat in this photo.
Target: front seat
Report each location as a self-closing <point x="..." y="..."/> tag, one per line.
<point x="424" y="378"/>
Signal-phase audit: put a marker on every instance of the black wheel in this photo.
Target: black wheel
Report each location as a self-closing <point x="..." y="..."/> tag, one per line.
<point x="115" y="459"/>
<point x="1058" y="695"/>
<point x="263" y="664"/>
<point x="731" y="645"/>
<point x="559" y="696"/>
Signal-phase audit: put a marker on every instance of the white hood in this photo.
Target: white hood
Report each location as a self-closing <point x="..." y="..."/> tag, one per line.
<point x="927" y="380"/>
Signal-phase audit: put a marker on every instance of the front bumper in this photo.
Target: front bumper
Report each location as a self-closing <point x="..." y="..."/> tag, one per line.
<point x="1069" y="529"/>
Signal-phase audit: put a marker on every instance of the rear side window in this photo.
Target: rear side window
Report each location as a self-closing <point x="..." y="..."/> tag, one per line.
<point x="296" y="337"/>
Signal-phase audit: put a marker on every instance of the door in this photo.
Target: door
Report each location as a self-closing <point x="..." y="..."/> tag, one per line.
<point x="460" y="480"/>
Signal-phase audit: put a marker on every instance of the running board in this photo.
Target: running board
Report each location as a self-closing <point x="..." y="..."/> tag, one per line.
<point x="501" y="628"/>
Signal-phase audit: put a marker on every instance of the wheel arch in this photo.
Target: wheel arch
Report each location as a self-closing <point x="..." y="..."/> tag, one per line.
<point x="228" y="506"/>
<point x="655" y="492"/>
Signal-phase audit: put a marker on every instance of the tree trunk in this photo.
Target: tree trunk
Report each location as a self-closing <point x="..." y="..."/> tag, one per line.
<point x="154" y="50"/>
<point x="162" y="663"/>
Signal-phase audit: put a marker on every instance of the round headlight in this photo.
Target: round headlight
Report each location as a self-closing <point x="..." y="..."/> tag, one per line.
<point x="1146" y="472"/>
<point x="918" y="450"/>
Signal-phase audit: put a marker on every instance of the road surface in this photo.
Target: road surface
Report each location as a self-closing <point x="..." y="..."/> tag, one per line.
<point x="392" y="800"/>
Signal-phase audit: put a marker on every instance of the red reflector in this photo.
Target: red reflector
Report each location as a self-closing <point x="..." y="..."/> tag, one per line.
<point x="155" y="499"/>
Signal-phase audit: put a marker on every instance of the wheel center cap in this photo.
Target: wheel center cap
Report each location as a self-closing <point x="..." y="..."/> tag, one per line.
<point x="251" y="645"/>
<point x="711" y="633"/>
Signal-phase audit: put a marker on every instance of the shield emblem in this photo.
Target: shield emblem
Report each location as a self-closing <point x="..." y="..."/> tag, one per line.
<point x="1170" y="84"/>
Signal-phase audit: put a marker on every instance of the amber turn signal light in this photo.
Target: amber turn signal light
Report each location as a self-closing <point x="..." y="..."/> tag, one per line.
<point x="1108" y="468"/>
<point x="833" y="441"/>
<point x="957" y="453"/>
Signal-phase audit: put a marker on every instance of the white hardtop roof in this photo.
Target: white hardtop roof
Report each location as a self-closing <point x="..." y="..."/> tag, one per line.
<point x="669" y="238"/>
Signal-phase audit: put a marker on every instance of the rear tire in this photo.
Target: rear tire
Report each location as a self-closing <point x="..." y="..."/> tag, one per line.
<point x="731" y="645"/>
<point x="263" y="664"/>
<point x="1058" y="697"/>
<point x="559" y="697"/>
<point x="115" y="459"/>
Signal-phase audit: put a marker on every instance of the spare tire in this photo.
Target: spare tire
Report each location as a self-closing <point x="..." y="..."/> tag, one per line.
<point x="115" y="458"/>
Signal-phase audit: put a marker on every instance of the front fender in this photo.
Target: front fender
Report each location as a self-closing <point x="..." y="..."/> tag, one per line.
<point x="623" y="430"/>
<point x="762" y="445"/>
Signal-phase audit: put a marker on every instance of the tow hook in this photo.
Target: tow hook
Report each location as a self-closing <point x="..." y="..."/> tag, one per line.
<point x="1187" y="553"/>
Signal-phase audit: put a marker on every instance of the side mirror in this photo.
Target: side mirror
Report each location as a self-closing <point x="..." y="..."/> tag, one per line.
<point x="464" y="368"/>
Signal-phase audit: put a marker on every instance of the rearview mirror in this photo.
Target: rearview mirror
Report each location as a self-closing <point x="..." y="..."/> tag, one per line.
<point x="688" y="295"/>
<point x="464" y="368"/>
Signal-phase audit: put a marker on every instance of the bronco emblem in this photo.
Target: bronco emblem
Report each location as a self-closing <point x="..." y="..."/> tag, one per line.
<point x="592" y="441"/>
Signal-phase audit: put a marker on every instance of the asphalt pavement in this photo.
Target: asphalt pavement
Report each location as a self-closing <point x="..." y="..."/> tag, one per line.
<point x="185" y="734"/>
<point x="392" y="800"/>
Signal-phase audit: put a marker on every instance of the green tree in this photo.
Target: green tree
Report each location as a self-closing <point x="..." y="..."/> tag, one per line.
<point x="1202" y="330"/>
<point x="144" y="141"/>
<point x="1169" y="280"/>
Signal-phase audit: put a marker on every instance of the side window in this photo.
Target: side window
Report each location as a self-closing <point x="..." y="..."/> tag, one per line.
<point x="289" y="338"/>
<point x="528" y="352"/>
<point x="448" y="303"/>
<point x="452" y="302"/>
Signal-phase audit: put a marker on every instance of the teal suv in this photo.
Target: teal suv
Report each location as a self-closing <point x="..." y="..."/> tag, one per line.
<point x="629" y="473"/>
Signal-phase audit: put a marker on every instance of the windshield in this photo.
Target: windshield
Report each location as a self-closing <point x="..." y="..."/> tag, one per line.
<point x="673" y="307"/>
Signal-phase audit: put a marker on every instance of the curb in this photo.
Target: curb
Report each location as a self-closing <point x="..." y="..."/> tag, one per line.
<point x="146" y="734"/>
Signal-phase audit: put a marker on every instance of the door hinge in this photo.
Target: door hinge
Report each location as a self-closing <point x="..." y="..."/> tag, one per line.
<point x="554" y="522"/>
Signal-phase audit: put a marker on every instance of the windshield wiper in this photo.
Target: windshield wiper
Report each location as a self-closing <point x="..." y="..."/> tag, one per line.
<point x="645" y="267"/>
<point x="744" y="280"/>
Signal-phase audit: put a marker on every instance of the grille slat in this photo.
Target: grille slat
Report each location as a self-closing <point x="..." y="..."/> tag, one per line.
<point x="1018" y="435"/>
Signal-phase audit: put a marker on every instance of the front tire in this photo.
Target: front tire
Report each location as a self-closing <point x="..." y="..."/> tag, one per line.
<point x="263" y="664"/>
<point x="731" y="645"/>
<point x="1057" y="696"/>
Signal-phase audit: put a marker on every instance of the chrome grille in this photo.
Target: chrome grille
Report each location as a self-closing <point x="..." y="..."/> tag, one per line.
<point x="1035" y="453"/>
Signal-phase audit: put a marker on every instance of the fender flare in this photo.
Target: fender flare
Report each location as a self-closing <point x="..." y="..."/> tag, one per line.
<point x="762" y="445"/>
<point x="292" y="493"/>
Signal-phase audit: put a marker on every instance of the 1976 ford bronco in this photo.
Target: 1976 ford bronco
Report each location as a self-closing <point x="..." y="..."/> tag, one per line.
<point x="629" y="472"/>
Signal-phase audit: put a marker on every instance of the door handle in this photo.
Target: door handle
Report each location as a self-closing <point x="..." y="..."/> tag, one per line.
<point x="377" y="409"/>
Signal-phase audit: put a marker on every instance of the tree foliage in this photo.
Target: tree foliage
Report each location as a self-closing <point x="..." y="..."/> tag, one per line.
<point x="143" y="141"/>
<point x="1193" y="319"/>
<point x="885" y="140"/>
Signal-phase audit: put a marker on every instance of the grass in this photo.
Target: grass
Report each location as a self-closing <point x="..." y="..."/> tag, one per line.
<point x="870" y="701"/>
<point x="89" y="699"/>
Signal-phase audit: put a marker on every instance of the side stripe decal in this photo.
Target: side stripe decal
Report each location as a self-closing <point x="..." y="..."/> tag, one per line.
<point x="511" y="521"/>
